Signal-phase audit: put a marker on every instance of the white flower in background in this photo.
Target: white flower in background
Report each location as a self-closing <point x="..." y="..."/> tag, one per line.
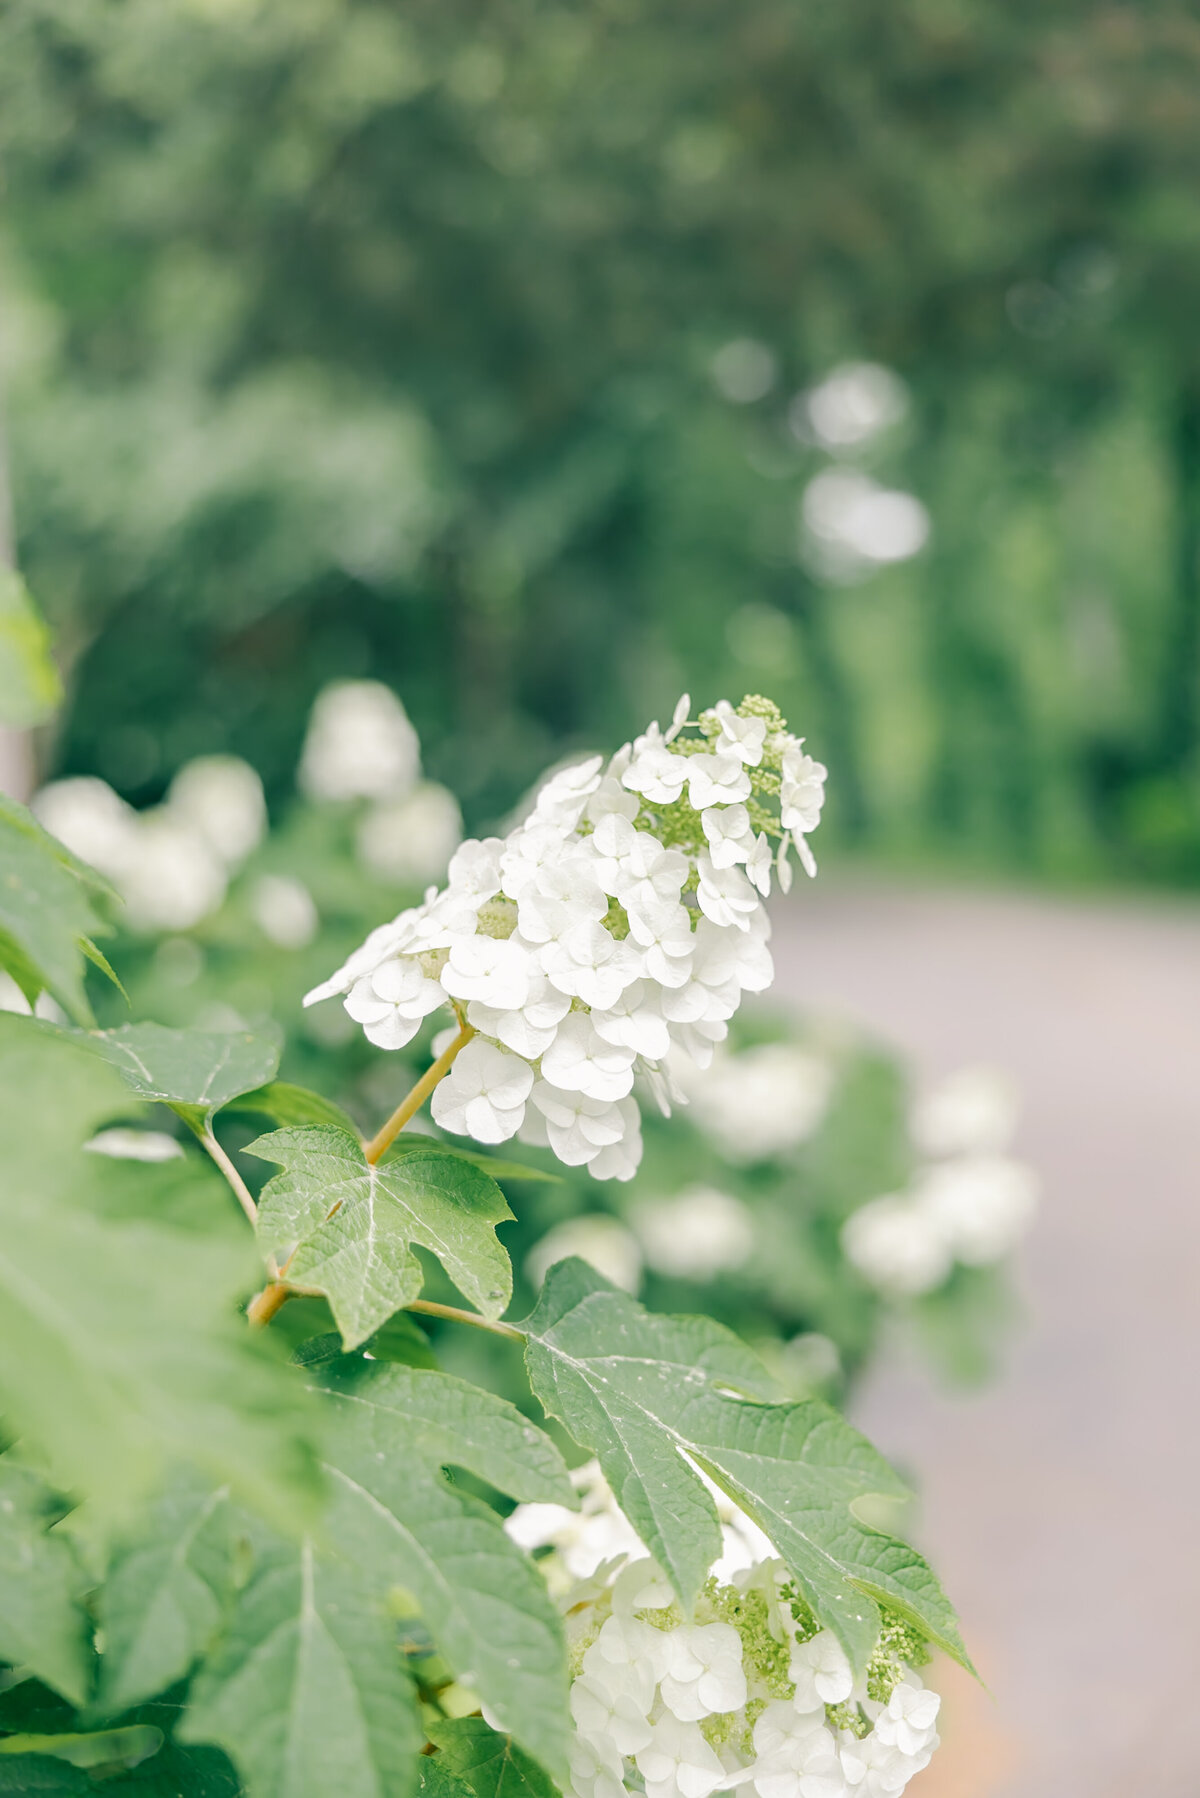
<point x="173" y="879"/>
<point x="484" y="1093"/>
<point x="170" y="864"/>
<point x="13" y="999"/>
<point x="410" y="839"/>
<point x="221" y="796"/>
<point x="680" y="1707"/>
<point x="897" y="1246"/>
<point x="360" y="744"/>
<point x="284" y="910"/>
<point x="123" y="1144"/>
<point x="696" y="1235"/>
<point x="973" y="1206"/>
<point x="851" y="405"/>
<point x="94" y="822"/>
<point x="763" y="1101"/>
<point x="973" y="1111"/>
<point x="603" y="1242"/>
<point x="983" y="1205"/>
<point x="610" y="932"/>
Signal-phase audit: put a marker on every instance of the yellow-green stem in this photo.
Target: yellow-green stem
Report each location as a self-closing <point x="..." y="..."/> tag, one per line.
<point x="413" y="1101"/>
<point x="431" y="1308"/>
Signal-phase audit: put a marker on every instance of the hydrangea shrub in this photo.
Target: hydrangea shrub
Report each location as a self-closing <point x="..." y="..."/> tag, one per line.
<point x="237" y="1553"/>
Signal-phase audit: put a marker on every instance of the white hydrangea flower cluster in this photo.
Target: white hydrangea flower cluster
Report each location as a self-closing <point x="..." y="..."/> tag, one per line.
<point x="971" y="1205"/>
<point x="620" y="922"/>
<point x="748" y="1695"/>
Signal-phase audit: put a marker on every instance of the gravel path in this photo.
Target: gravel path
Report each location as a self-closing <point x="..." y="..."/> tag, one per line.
<point x="1061" y="1503"/>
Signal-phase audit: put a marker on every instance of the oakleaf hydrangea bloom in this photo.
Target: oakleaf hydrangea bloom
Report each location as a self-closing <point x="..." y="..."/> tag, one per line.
<point x="610" y="934"/>
<point x="749" y="1695"/>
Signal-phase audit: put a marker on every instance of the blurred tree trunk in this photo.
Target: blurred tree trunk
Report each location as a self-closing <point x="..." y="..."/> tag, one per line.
<point x="1180" y="714"/>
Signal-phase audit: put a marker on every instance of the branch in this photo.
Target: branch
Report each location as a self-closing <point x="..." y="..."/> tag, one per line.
<point x="412" y="1103"/>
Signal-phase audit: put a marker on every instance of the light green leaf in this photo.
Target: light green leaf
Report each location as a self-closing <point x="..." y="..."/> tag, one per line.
<point x="284" y="1103"/>
<point x="483" y="1600"/>
<point x="47" y="911"/>
<point x="307" y="1693"/>
<point x="30" y="688"/>
<point x="491" y="1764"/>
<point x="120" y="1345"/>
<point x="42" y="1624"/>
<point x="102" y="1748"/>
<point x="344" y="1228"/>
<point x="649" y="1394"/>
<point x="198" y="1070"/>
<point x="168" y="1590"/>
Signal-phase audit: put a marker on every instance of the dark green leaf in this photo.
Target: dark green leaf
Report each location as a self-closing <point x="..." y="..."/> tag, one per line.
<point x="42" y="1624"/>
<point x="47" y="911"/>
<point x="491" y="1764"/>
<point x="120" y="1345"/>
<point x="491" y="1164"/>
<point x="167" y="1592"/>
<point x="345" y="1228"/>
<point x="649" y="1394"/>
<point x="115" y="1749"/>
<point x="30" y="688"/>
<point x="286" y="1104"/>
<point x="399" y="1340"/>
<point x="307" y="1693"/>
<point x="482" y="1599"/>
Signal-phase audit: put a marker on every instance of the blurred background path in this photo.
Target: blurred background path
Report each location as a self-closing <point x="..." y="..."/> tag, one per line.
<point x="1067" y="1491"/>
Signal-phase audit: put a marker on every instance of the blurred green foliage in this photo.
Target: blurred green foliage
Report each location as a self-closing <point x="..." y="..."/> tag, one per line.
<point x="348" y="338"/>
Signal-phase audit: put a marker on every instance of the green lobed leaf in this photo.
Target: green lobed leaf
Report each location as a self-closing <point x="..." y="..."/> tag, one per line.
<point x="483" y="1600"/>
<point x="649" y="1394"/>
<point x="342" y="1227"/>
<point x="121" y="1349"/>
<point x="47" y="911"/>
<point x="198" y="1070"/>
<point x="168" y="1590"/>
<point x="444" y="1419"/>
<point x="176" y="1770"/>
<point x="307" y="1693"/>
<point x="30" y="688"/>
<point x="42" y="1623"/>
<point x="490" y="1764"/>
